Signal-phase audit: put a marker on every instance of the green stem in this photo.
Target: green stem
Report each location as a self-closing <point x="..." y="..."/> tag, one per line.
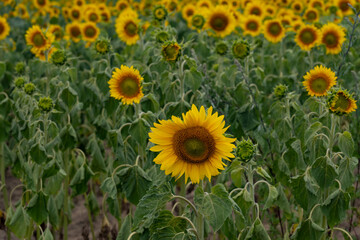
<point x="89" y="216"/>
<point x="66" y="194"/>
<point x="5" y="192"/>
<point x="200" y="226"/>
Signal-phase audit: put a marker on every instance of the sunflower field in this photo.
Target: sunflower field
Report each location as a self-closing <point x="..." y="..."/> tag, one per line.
<point x="179" y="119"/>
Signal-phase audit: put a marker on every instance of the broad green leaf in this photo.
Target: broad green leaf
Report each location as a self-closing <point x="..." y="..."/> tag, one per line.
<point x="67" y="98"/>
<point x="193" y="78"/>
<point x="282" y="200"/>
<point x="272" y="195"/>
<point x="53" y="212"/>
<point x="37" y="208"/>
<point x="38" y="153"/>
<point x="215" y="206"/>
<point x="335" y="207"/>
<point x="139" y="131"/>
<point x="47" y="235"/>
<point x="109" y="186"/>
<point x="79" y="181"/>
<point x="294" y="154"/>
<point x="346" y="143"/>
<point x="302" y="195"/>
<point x="324" y="171"/>
<point x="68" y="137"/>
<point x="308" y="230"/>
<point x="311" y="131"/>
<point x="18" y="222"/>
<point x="237" y="176"/>
<point x="98" y="161"/>
<point x="139" y="184"/>
<point x="93" y="204"/>
<point x="125" y="229"/>
<point x="257" y="231"/>
<point x="346" y="171"/>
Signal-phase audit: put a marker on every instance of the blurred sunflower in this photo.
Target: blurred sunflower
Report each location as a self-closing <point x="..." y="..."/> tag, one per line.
<point x="92" y="15"/>
<point x="41" y="54"/>
<point x="121" y="5"/>
<point x="297" y="6"/>
<point x="273" y="31"/>
<point x="332" y="36"/>
<point x="254" y="8"/>
<point x="127" y="28"/>
<point x="171" y="5"/>
<point x="125" y="85"/>
<point x="188" y="11"/>
<point x="57" y="31"/>
<point x="206" y="4"/>
<point x="341" y="102"/>
<point x="79" y="3"/>
<point x="319" y="80"/>
<point x="221" y="21"/>
<point x="75" y="13"/>
<point x="270" y="10"/>
<point x="251" y="25"/>
<point x="197" y="21"/>
<point x="74" y="31"/>
<point x="38" y="40"/>
<point x="343" y="5"/>
<point x="194" y="146"/>
<point x="317" y="4"/>
<point x="89" y="31"/>
<point x="170" y="51"/>
<point x="21" y="11"/>
<point x="311" y="15"/>
<point x="307" y="37"/>
<point x="41" y="4"/>
<point x="4" y="28"/>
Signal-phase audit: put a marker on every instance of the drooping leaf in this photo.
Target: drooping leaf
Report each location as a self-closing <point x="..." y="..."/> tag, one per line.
<point x="257" y="231"/>
<point x="335" y="207"/>
<point x="125" y="229"/>
<point x="79" y="181"/>
<point x="139" y="130"/>
<point x="346" y="171"/>
<point x="109" y="186"/>
<point x="18" y="222"/>
<point x="302" y="195"/>
<point x="37" y="208"/>
<point x="324" y="171"/>
<point x="38" y="153"/>
<point x="272" y="195"/>
<point x="308" y="230"/>
<point x="98" y="161"/>
<point x="346" y="143"/>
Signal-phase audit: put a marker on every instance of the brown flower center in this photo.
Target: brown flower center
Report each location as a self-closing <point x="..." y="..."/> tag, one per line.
<point x="252" y="25"/>
<point x="2" y="28"/>
<point x="129" y="87"/>
<point x="342" y="102"/>
<point x="311" y="15"/>
<point x="75" y="31"/>
<point x="93" y="17"/>
<point x="255" y="11"/>
<point x="319" y="85"/>
<point x="307" y="36"/>
<point x="131" y="29"/>
<point x="38" y="39"/>
<point x="330" y="39"/>
<point x="275" y="29"/>
<point x="219" y="22"/>
<point x="90" y="31"/>
<point x="41" y="2"/>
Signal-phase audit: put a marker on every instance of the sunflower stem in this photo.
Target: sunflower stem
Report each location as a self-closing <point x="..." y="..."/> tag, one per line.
<point x="89" y="215"/>
<point x="3" y="184"/>
<point x="66" y="194"/>
<point x="281" y="55"/>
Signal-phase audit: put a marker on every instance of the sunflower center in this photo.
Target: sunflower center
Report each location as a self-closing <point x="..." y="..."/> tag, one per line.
<point x="172" y="6"/>
<point x="311" y="16"/>
<point x="194" y="145"/>
<point x="252" y="26"/>
<point x="38" y="39"/>
<point x="219" y="22"/>
<point x="307" y="37"/>
<point x="342" y="102"/>
<point x="255" y="11"/>
<point x="330" y="39"/>
<point x="319" y="85"/>
<point x="131" y="29"/>
<point x="75" y="14"/>
<point x="90" y="32"/>
<point x="275" y="29"/>
<point x="129" y="87"/>
<point x="2" y="28"/>
<point x="93" y="17"/>
<point x="41" y="2"/>
<point x="297" y="7"/>
<point x="75" y="32"/>
<point x="171" y="52"/>
<point x="344" y="6"/>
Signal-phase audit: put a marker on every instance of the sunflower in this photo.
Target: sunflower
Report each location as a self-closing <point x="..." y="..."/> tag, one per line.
<point x="194" y="146"/>
<point x="297" y="6"/>
<point x="197" y="21"/>
<point x="207" y="4"/>
<point x="317" y="4"/>
<point x="38" y="40"/>
<point x="79" y="2"/>
<point x="160" y="13"/>
<point x="121" y="5"/>
<point x="125" y="85"/>
<point x="221" y="21"/>
<point x="4" y="28"/>
<point x="270" y="10"/>
<point x="171" y="5"/>
<point x="343" y="5"/>
<point x="170" y="51"/>
<point x="188" y="11"/>
<point x="41" y="4"/>
<point x="21" y="11"/>
<point x="254" y="8"/>
<point x="89" y="31"/>
<point x="76" y="13"/>
<point x="74" y="31"/>
<point x="57" y="31"/>
<point x="332" y="36"/>
<point x="319" y="80"/>
<point x="311" y="15"/>
<point x="105" y="15"/>
<point x="274" y="31"/>
<point x="307" y="37"/>
<point x="251" y="25"/>
<point x="127" y="28"/>
<point x="341" y="102"/>
<point x="92" y="15"/>
<point x="41" y="54"/>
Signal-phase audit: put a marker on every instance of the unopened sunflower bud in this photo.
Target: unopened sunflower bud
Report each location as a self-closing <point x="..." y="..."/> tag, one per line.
<point x="29" y="88"/>
<point x="280" y="91"/>
<point x="171" y="51"/>
<point x="45" y="104"/>
<point x="19" y="82"/>
<point x="102" y="46"/>
<point x="162" y="36"/>
<point x="58" y="58"/>
<point x="160" y="13"/>
<point x="20" y="68"/>
<point x="241" y="49"/>
<point x="245" y="150"/>
<point x="221" y="48"/>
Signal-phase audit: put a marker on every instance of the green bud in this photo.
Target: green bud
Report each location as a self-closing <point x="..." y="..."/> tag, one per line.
<point x="160" y="13"/>
<point x="198" y="21"/>
<point x="245" y="150"/>
<point x="221" y="48"/>
<point x="19" y="82"/>
<point x="102" y="46"/>
<point x="58" y="58"/>
<point x="241" y="49"/>
<point x="45" y="104"/>
<point x="29" y="88"/>
<point x="280" y="91"/>
<point x="20" y="67"/>
<point x="162" y="37"/>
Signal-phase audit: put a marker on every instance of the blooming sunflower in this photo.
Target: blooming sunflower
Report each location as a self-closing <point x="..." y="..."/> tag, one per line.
<point x="273" y="31"/>
<point x="41" y="4"/>
<point x="332" y="36"/>
<point x="254" y="8"/>
<point x="74" y="31"/>
<point x="125" y="84"/>
<point x="38" y="40"/>
<point x="297" y="6"/>
<point x="188" y="11"/>
<point x="194" y="146"/>
<point x="76" y="14"/>
<point x="343" y="5"/>
<point x="21" y="11"/>
<point x="170" y="51"/>
<point x="93" y="15"/>
<point x="251" y="25"/>
<point x="90" y="31"/>
<point x="207" y="4"/>
<point x="341" y="102"/>
<point x="319" y="80"/>
<point x="4" y="28"/>
<point x="221" y="21"/>
<point x="57" y="31"/>
<point x="121" y="5"/>
<point x="311" y="15"/>
<point x="127" y="28"/>
<point x="307" y="37"/>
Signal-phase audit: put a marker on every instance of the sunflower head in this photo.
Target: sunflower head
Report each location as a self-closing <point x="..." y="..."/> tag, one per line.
<point x="20" y="68"/>
<point x="319" y="81"/>
<point x="341" y="102"/>
<point x="90" y="31"/>
<point x="221" y="48"/>
<point x="307" y="37"/>
<point x="39" y="40"/>
<point x="221" y="21"/>
<point x="332" y="36"/>
<point x="162" y="36"/>
<point x="171" y="51"/>
<point x="280" y="91"/>
<point x="58" y="57"/>
<point x="45" y="104"/>
<point x="160" y="13"/>
<point x="29" y="88"/>
<point x="273" y="31"/>
<point x="4" y="28"/>
<point x="240" y="49"/>
<point x="127" y="27"/>
<point x="251" y="25"/>
<point x="194" y="146"/>
<point x="102" y="46"/>
<point x="245" y="150"/>
<point x="19" y="82"/>
<point x="125" y="85"/>
<point x="198" y="21"/>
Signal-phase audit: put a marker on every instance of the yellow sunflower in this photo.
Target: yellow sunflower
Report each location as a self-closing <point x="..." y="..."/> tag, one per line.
<point x="254" y="8"/>
<point x="41" y="54"/>
<point x="89" y="31"/>
<point x="39" y="41"/>
<point x="41" y="4"/>
<point x="307" y="37"/>
<point x="270" y="10"/>
<point x="93" y="15"/>
<point x="125" y="85"/>
<point x="221" y="21"/>
<point x="251" y="25"/>
<point x="319" y="80"/>
<point x="332" y="36"/>
<point x="76" y="13"/>
<point x="341" y="102"/>
<point x="57" y="31"/>
<point x="311" y="15"/>
<point x="121" y="5"/>
<point x="317" y="4"/>
<point x="79" y="3"/>
<point x="74" y="31"/>
<point x="297" y="6"/>
<point x="273" y="31"/>
<point x="188" y="11"/>
<point x="127" y="28"/>
<point x="194" y="146"/>
<point x="21" y="11"/>
<point x="207" y="4"/>
<point x="4" y="28"/>
<point x="344" y="7"/>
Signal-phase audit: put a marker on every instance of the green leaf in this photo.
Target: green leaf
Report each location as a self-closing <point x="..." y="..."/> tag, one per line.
<point x="272" y="195"/>
<point x="19" y="222"/>
<point x="302" y="195"/>
<point x="324" y="172"/>
<point x="53" y="212"/>
<point x="294" y="154"/>
<point x="47" y="235"/>
<point x="139" y="131"/>
<point x="257" y="231"/>
<point x="282" y="200"/>
<point x="346" y="171"/>
<point x="38" y="153"/>
<point x="109" y="186"/>
<point x="236" y="176"/>
<point x="37" y="208"/>
<point x="335" y="207"/>
<point x="125" y="229"/>
<point x="310" y="132"/>
<point x="216" y="206"/>
<point x="73" y="74"/>
<point x="346" y="143"/>
<point x="2" y="69"/>
<point x="139" y="184"/>
<point x="68" y="98"/>
<point x="68" y="137"/>
<point x="193" y="78"/>
<point x="79" y="181"/>
<point x="98" y="161"/>
<point x="308" y="230"/>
